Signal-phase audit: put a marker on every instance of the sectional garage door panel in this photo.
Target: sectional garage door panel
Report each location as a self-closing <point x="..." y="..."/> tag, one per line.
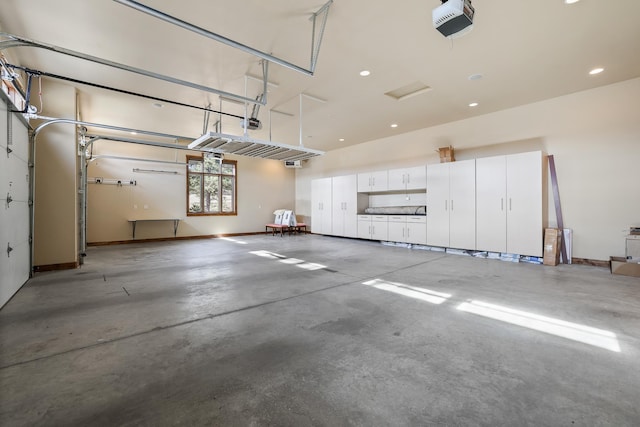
<point x="14" y="205"/>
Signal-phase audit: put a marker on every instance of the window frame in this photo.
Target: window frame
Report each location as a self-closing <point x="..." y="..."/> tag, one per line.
<point x="220" y="176"/>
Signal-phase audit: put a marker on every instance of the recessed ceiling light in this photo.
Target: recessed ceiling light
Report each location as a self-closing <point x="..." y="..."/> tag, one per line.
<point x="365" y="73"/>
<point x="157" y="105"/>
<point x="475" y="76"/>
<point x="596" y="71"/>
<point x="134" y="133"/>
<point x="341" y="140"/>
<point x="571" y="1"/>
<point x="394" y="125"/>
<point x="473" y="104"/>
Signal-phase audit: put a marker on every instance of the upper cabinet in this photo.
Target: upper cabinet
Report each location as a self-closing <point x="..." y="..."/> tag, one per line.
<point x="408" y="178"/>
<point x="373" y="181"/>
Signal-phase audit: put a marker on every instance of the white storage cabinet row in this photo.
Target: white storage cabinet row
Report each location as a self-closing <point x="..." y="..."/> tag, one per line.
<point x="491" y="204"/>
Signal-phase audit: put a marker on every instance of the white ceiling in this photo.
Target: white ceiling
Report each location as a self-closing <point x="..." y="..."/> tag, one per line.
<point x="526" y="51"/>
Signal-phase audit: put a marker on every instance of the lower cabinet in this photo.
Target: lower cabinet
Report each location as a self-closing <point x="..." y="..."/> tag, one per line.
<point x="408" y="229"/>
<point x="373" y="227"/>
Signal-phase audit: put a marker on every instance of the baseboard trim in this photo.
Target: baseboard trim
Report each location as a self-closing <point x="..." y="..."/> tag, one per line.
<point x="170" y="239"/>
<point x="56" y="267"/>
<point x="591" y="262"/>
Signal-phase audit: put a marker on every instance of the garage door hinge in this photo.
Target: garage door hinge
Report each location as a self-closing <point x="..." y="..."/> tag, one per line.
<point x="30" y="202"/>
<point x="9" y="249"/>
<point x="9" y="199"/>
<point x="9" y="151"/>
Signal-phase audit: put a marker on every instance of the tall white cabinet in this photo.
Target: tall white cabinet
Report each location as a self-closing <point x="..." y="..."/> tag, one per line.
<point x="451" y="205"/>
<point x="321" y="209"/>
<point x="510" y="203"/>
<point x="344" y="206"/>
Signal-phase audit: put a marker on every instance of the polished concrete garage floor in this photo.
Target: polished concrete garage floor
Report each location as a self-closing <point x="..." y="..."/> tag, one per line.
<point x="317" y="331"/>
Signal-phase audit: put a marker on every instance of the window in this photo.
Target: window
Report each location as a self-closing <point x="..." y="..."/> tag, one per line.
<point x="211" y="186"/>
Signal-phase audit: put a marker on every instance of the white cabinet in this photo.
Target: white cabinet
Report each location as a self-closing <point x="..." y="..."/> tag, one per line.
<point x="407" y="229"/>
<point x="373" y="181"/>
<point x="451" y="205"/>
<point x="344" y="206"/>
<point x="408" y="179"/>
<point x="321" y="214"/>
<point x="510" y="203"/>
<point x="373" y="227"/>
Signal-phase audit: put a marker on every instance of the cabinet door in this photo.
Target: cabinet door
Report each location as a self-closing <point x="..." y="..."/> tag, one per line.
<point x="396" y="230"/>
<point x="350" y="197"/>
<point x="364" y="229"/>
<point x="344" y="210"/>
<point x="438" y="204"/>
<point x="379" y="228"/>
<point x="491" y="209"/>
<point x="397" y="179"/>
<point x="416" y="178"/>
<point x="462" y="204"/>
<point x="379" y="181"/>
<point x="364" y="182"/>
<point x="417" y="230"/>
<point x="524" y="203"/>
<point x="321" y="206"/>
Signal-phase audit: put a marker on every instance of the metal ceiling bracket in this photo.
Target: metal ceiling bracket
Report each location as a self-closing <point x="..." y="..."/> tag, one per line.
<point x="18" y="41"/>
<point x="315" y="47"/>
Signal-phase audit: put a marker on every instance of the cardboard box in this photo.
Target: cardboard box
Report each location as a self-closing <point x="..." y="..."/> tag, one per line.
<point x="446" y="154"/>
<point x="551" y="246"/>
<point x="619" y="265"/>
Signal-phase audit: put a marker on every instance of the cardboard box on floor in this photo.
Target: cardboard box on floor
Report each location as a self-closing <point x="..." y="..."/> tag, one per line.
<point x="619" y="265"/>
<point x="551" y="246"/>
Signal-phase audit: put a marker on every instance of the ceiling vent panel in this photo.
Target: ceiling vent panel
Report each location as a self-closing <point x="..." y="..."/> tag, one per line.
<point x="408" y="91"/>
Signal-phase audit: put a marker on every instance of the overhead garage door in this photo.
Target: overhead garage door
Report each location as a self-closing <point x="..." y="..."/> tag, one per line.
<point x="15" y="250"/>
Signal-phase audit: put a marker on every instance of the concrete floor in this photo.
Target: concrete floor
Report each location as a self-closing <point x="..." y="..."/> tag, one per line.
<point x="208" y="333"/>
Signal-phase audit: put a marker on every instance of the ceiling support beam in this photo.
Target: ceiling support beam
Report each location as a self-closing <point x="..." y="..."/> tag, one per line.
<point x="18" y="41"/>
<point x="315" y="42"/>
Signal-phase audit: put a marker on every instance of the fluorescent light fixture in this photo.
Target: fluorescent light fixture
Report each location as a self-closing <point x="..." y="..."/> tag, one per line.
<point x="394" y="125"/>
<point x="341" y="140"/>
<point x="573" y="331"/>
<point x="365" y="73"/>
<point x="596" y="71"/>
<point x="473" y="104"/>
<point x="571" y="1"/>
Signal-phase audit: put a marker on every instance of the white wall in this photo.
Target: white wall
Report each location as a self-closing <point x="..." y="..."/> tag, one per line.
<point x="594" y="136"/>
<point x="56" y="220"/>
<point x="262" y="187"/>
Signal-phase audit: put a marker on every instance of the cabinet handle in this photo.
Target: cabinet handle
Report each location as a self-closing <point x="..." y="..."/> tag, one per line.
<point x="451" y="205"/>
<point x="502" y="203"/>
<point x="369" y="230"/>
<point x="408" y="232"/>
<point x="374" y="181"/>
<point x="403" y="232"/>
<point x="446" y="204"/>
<point x="408" y="178"/>
<point x="509" y="203"/>
<point x="369" y="181"/>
